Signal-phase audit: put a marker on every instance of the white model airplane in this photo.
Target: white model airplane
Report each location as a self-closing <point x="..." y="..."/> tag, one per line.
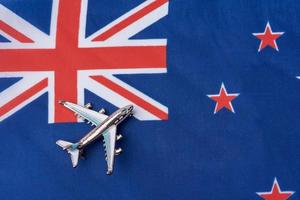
<point x="105" y="126"/>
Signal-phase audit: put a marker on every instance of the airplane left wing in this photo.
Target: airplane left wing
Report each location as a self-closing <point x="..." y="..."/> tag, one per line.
<point x="90" y="115"/>
<point x="109" y="145"/>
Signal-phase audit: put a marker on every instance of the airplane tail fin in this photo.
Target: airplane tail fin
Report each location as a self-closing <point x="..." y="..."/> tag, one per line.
<point x="72" y="149"/>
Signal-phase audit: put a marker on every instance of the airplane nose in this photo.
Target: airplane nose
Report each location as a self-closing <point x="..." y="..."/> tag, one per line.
<point x="130" y="107"/>
<point x="62" y="102"/>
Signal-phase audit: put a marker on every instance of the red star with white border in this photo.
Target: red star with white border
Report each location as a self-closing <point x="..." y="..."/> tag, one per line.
<point x="275" y="193"/>
<point x="223" y="99"/>
<point x="268" y="38"/>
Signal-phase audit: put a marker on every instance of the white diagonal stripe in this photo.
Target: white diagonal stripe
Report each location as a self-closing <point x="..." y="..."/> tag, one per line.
<point x="137" y="93"/>
<point x="115" y="98"/>
<point x="110" y="25"/>
<point x="141" y="24"/>
<point x="22" y="26"/>
<point x="19" y="87"/>
<point x="23" y="104"/>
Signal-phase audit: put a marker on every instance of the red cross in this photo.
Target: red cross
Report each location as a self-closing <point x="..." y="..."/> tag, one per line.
<point x="67" y="58"/>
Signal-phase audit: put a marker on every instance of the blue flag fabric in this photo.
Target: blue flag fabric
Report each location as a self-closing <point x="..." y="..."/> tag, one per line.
<point x="224" y="123"/>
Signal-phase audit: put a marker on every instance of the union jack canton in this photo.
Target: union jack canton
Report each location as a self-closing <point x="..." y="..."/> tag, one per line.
<point x="45" y="61"/>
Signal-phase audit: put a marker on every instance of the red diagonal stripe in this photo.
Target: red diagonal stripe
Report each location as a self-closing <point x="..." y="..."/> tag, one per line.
<point x="131" y="19"/>
<point x="131" y="97"/>
<point x="24" y="96"/>
<point x="14" y="33"/>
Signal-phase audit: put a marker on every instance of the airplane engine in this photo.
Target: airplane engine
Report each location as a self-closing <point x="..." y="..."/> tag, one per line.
<point x="102" y="111"/>
<point x="88" y="105"/>
<point x="119" y="136"/>
<point x="118" y="151"/>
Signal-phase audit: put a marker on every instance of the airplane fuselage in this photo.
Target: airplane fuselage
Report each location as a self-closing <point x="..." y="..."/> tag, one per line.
<point x="114" y="119"/>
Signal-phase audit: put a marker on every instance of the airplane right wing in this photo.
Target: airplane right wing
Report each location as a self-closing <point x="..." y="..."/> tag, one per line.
<point x="109" y="145"/>
<point x="91" y="116"/>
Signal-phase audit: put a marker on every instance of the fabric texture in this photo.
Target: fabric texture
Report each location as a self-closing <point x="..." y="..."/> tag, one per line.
<point x="184" y="143"/>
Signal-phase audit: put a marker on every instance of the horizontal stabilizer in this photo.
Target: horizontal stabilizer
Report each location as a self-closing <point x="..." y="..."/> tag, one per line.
<point x="63" y="144"/>
<point x="74" y="156"/>
<point x="72" y="150"/>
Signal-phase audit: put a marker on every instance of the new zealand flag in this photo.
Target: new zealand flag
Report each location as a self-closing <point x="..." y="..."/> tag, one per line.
<point x="214" y="84"/>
